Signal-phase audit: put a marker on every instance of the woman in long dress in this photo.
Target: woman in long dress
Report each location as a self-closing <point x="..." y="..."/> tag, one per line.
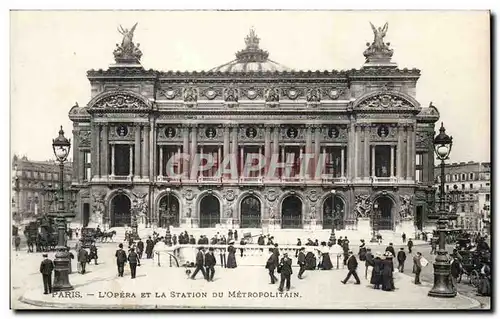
<point x="326" y="262"/>
<point x="231" y="258"/>
<point x="484" y="287"/>
<point x="387" y="273"/>
<point x="376" y="278"/>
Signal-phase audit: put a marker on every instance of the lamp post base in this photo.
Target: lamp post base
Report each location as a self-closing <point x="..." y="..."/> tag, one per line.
<point x="332" y="239"/>
<point x="443" y="287"/>
<point x="168" y="237"/>
<point x="61" y="270"/>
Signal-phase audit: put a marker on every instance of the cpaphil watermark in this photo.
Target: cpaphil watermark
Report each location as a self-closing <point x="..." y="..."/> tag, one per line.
<point x="253" y="165"/>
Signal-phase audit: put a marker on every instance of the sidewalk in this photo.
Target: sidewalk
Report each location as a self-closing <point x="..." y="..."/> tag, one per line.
<point x="240" y="288"/>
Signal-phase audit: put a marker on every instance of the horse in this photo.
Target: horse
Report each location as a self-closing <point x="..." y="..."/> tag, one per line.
<point x="106" y="235"/>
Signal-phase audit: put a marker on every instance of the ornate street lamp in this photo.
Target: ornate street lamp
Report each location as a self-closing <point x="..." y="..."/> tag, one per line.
<point x="332" y="239"/>
<point x="375" y="215"/>
<point x="134" y="226"/>
<point x="442" y="283"/>
<point x="168" y="236"/>
<point x="61" y="146"/>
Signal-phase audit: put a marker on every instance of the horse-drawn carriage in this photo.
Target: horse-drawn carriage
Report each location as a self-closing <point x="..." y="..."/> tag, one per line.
<point x="473" y="259"/>
<point x="41" y="234"/>
<point x="248" y="238"/>
<point x="88" y="237"/>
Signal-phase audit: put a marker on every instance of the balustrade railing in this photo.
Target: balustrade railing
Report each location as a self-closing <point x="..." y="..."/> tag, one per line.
<point x="245" y="255"/>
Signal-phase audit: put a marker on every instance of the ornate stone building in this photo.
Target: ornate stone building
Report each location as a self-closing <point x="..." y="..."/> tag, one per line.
<point x="34" y="186"/>
<point x="374" y="139"/>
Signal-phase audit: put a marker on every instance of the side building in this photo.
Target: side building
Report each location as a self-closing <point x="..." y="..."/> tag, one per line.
<point x="34" y="186"/>
<point x="374" y="139"/>
<point x="468" y="193"/>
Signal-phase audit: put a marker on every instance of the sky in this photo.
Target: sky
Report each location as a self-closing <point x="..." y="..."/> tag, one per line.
<point x="51" y="52"/>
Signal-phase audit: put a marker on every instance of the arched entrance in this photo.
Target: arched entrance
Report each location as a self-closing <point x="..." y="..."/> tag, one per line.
<point x="250" y="212"/>
<point x="120" y="211"/>
<point x="291" y="212"/>
<point x="382" y="209"/>
<point x="168" y="210"/>
<point x="209" y="212"/>
<point x="333" y="217"/>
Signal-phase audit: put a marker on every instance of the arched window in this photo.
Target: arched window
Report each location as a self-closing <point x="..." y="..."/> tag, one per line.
<point x="471" y="176"/>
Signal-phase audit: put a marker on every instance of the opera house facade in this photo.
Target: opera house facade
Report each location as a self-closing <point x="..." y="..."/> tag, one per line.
<point x="254" y="144"/>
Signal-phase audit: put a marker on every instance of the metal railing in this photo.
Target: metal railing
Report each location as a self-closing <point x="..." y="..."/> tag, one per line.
<point x="291" y="222"/>
<point x="209" y="221"/>
<point x="250" y="221"/>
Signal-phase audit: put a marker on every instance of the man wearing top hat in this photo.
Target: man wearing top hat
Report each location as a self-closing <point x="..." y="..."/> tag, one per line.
<point x="46" y="268"/>
<point x="352" y="265"/>
<point x="210" y="262"/>
<point x="200" y="262"/>
<point x="301" y="261"/>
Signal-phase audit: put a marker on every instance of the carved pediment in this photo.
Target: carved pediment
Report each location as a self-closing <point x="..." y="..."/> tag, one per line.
<point x="119" y="100"/>
<point x="386" y="100"/>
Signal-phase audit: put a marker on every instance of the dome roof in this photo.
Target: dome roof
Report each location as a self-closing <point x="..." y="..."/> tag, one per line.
<point x="251" y="59"/>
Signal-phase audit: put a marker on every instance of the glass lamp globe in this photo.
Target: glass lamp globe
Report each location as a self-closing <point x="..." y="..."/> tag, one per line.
<point x="442" y="151"/>
<point x="61" y="152"/>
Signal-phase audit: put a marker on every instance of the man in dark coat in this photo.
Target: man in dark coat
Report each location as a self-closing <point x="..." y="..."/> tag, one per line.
<point x="362" y="251"/>
<point x="133" y="261"/>
<point x="410" y="245"/>
<point x="404" y="238"/>
<point x="352" y="265"/>
<point x="93" y="253"/>
<point x="121" y="259"/>
<point x="401" y="259"/>
<point x="301" y="261"/>
<point x="455" y="271"/>
<point x="299" y="243"/>
<point x="261" y="240"/>
<point x="417" y="266"/>
<point x="368" y="261"/>
<point x="271" y="264"/>
<point x="200" y="263"/>
<point x="192" y="240"/>
<point x="390" y="249"/>
<point x="285" y="269"/>
<point x="46" y="268"/>
<point x="149" y="248"/>
<point x="222" y="255"/>
<point x="345" y="247"/>
<point x="174" y="239"/>
<point x="235" y="235"/>
<point x="83" y="258"/>
<point x="230" y="235"/>
<point x="433" y="246"/>
<point x="242" y="243"/>
<point x="140" y="248"/>
<point x="210" y="264"/>
<point x="17" y="242"/>
<point x="340" y="241"/>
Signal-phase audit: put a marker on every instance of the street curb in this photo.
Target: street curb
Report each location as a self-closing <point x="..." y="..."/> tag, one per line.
<point x="477" y="304"/>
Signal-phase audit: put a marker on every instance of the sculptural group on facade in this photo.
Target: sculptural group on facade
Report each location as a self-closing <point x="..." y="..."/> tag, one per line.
<point x="363" y="206"/>
<point x="405" y="211"/>
<point x="98" y="208"/>
<point x="127" y="50"/>
<point x="378" y="48"/>
<point x="141" y="208"/>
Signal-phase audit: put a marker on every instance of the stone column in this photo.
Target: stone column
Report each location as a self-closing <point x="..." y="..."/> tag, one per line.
<point x="373" y="160"/>
<point x="105" y="150"/>
<point x="76" y="156"/>
<point x="366" y="161"/>
<point x="234" y="149"/>
<point x="413" y="151"/>
<point x="225" y="148"/>
<point x="408" y="153"/>
<point x="160" y="166"/>
<point x="317" y="148"/>
<point x="185" y="150"/>
<point x="219" y="160"/>
<point x="112" y="159"/>
<point x="283" y="160"/>
<point x="342" y="150"/>
<point x="399" y="153"/>
<point x="276" y="146"/>
<point x="98" y="150"/>
<point x="350" y="150"/>
<point x="194" y="150"/>
<point x="152" y="149"/>
<point x="82" y="162"/>
<point x="308" y="150"/>
<point x="131" y="161"/>
<point x="301" y="162"/>
<point x="147" y="154"/>
<point x="267" y="147"/>
<point x="242" y="160"/>
<point x="356" y="151"/>
<point x="179" y="161"/>
<point x="94" y="131"/>
<point x="260" y="153"/>
<point x="392" y="161"/>
<point x="137" y="150"/>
